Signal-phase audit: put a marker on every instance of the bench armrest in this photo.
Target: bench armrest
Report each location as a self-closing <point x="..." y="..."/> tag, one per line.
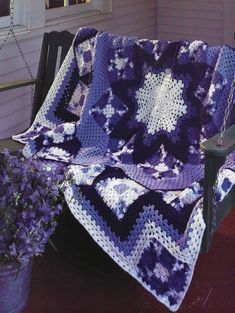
<point x="17" y="84"/>
<point x="215" y="157"/>
<point x="210" y="146"/>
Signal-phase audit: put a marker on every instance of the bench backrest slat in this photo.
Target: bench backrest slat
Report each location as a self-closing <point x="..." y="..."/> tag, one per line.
<point x="55" y="46"/>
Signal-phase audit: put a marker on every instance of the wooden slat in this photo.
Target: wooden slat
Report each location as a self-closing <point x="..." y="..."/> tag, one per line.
<point x="64" y="52"/>
<point x="185" y="5"/>
<point x="192" y="20"/>
<point x="17" y="84"/>
<point x="197" y="33"/>
<point x="52" y="56"/>
<point x="198" y="14"/>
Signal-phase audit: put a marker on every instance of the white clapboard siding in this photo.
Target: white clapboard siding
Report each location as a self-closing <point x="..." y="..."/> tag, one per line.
<point x="129" y="17"/>
<point x="177" y="12"/>
<point x="16" y="128"/>
<point x="18" y="74"/>
<point x="191" y="19"/>
<point x="14" y="117"/>
<point x="22" y="104"/>
<point x="27" y="45"/>
<point x="14" y="64"/>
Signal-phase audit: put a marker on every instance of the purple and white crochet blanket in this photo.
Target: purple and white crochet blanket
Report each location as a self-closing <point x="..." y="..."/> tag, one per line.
<point x="127" y="116"/>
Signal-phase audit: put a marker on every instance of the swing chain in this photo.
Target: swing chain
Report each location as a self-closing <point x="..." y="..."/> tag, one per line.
<point x="12" y="32"/>
<point x="215" y="200"/>
<point x="214" y="206"/>
<point x="11" y="26"/>
<point x="228" y="112"/>
<point x="16" y="40"/>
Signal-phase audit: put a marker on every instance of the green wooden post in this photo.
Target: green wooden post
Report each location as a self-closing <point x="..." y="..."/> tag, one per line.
<point x="212" y="166"/>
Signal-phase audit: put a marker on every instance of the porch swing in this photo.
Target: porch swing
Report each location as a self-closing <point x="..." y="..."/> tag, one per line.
<point x="55" y="46"/>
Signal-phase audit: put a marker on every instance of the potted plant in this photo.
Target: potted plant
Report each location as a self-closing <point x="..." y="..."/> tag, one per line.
<point x="29" y="206"/>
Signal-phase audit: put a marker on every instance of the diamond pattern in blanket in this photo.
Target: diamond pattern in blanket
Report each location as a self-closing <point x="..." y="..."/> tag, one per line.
<point x="108" y="111"/>
<point x="119" y="193"/>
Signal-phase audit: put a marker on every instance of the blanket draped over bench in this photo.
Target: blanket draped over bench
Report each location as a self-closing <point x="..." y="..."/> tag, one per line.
<point x="126" y="116"/>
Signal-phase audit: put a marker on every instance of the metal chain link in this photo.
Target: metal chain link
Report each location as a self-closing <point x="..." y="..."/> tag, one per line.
<point x="228" y="112"/>
<point x="12" y="32"/>
<point x="5" y="40"/>
<point x="214" y="208"/>
<point x="11" y="26"/>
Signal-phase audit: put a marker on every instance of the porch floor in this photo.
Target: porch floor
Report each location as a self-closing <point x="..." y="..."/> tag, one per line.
<point x="78" y="280"/>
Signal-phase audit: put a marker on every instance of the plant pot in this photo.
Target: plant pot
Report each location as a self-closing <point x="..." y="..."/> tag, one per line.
<point x="14" y="286"/>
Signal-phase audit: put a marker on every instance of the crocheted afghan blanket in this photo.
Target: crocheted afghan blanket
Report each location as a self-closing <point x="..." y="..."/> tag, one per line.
<point x="126" y="116"/>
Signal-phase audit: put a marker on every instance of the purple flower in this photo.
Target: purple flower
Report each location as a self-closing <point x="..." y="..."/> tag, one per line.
<point x="29" y="206"/>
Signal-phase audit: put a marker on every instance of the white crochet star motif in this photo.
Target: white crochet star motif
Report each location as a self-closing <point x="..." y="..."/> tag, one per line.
<point x="160" y="102"/>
